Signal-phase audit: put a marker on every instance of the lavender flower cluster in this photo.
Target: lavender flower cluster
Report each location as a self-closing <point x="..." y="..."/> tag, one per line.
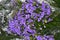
<point x="22" y="23"/>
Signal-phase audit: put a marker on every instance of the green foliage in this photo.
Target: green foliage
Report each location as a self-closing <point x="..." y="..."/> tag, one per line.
<point x="57" y="3"/>
<point x="57" y="36"/>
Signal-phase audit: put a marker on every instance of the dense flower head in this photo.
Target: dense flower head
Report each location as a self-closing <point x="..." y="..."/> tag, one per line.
<point x="23" y="21"/>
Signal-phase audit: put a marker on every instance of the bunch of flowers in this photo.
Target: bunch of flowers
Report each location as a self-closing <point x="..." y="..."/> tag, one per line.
<point x="23" y="23"/>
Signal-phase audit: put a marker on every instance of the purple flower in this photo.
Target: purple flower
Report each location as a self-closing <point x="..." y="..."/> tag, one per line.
<point x="18" y="13"/>
<point x="49" y="19"/>
<point x="30" y="1"/>
<point x="30" y="8"/>
<point x="30" y="30"/>
<point x="27" y="16"/>
<point x="48" y="10"/>
<point x="25" y="33"/>
<point x="51" y="38"/>
<point x="22" y="21"/>
<point x="39" y="38"/>
<point x="17" y="30"/>
<point x="29" y="20"/>
<point x="41" y="16"/>
<point x="43" y="6"/>
<point x="45" y="38"/>
<point x="26" y="38"/>
<point x="11" y="23"/>
<point x="23" y="6"/>
<point x="13" y="27"/>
